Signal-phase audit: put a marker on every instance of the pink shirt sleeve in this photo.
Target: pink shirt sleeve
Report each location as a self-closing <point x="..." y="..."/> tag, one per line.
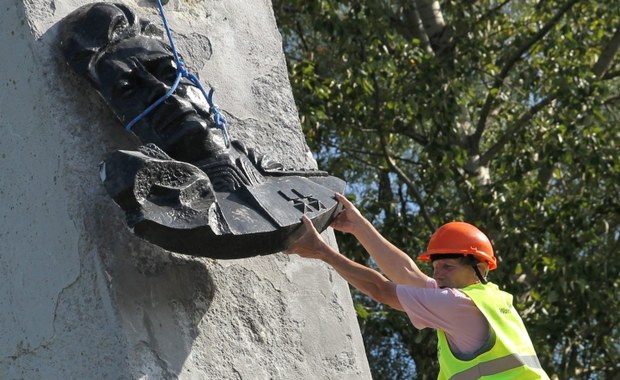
<point x="445" y="309"/>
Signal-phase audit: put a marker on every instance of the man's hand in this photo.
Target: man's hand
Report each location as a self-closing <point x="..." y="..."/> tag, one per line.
<point x="350" y="219"/>
<point x="310" y="244"/>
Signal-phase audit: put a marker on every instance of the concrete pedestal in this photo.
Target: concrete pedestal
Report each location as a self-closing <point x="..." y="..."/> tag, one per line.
<point x="83" y="298"/>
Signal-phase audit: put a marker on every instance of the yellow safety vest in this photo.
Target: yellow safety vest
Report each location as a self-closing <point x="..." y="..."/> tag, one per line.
<point x="508" y="352"/>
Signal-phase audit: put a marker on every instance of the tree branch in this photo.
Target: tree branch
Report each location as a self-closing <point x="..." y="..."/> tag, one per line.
<point x="607" y="55"/>
<point x="611" y="74"/>
<point x="409" y="133"/>
<point x="510" y="62"/>
<point x="355" y="153"/>
<point x="611" y="99"/>
<point x="410" y="25"/>
<point x="492" y="11"/>
<point x="434" y="24"/>
<point x="410" y="184"/>
<point x="517" y="127"/>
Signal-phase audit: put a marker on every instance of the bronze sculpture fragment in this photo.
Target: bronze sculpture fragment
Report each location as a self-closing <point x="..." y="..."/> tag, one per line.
<point x="187" y="189"/>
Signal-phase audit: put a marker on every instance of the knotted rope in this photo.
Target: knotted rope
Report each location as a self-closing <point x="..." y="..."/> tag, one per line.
<point x="218" y="119"/>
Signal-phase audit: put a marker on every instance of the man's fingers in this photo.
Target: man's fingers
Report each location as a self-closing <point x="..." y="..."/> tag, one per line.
<point x="308" y="224"/>
<point x="306" y="220"/>
<point x="345" y="202"/>
<point x="309" y="227"/>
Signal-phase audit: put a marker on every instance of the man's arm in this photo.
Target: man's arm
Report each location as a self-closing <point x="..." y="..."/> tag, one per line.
<point x="366" y="280"/>
<point x="395" y="263"/>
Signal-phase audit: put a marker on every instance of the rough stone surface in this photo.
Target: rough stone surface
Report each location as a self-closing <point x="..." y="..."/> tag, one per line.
<point x="81" y="296"/>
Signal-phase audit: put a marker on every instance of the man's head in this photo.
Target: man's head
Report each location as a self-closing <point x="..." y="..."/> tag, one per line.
<point x="461" y="255"/>
<point x="131" y="66"/>
<point x="458" y="271"/>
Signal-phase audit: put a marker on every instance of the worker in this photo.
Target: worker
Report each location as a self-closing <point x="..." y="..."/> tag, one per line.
<point x="480" y="334"/>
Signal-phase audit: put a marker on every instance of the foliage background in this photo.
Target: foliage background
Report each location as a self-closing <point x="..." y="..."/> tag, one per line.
<point x="500" y="113"/>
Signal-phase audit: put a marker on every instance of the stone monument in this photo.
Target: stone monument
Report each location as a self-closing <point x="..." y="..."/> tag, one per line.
<point x="82" y="296"/>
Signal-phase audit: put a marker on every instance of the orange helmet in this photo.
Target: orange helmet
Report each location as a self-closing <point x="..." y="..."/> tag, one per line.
<point x="461" y="238"/>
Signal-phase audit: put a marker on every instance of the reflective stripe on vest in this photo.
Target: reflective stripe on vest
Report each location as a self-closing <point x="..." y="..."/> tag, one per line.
<point x="498" y="365"/>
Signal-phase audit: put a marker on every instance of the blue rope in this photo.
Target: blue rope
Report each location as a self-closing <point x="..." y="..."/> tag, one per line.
<point x="218" y="118"/>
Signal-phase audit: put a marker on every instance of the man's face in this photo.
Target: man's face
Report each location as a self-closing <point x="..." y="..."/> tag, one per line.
<point x="134" y="74"/>
<point x="453" y="273"/>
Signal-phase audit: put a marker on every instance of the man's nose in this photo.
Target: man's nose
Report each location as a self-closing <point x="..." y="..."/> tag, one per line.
<point x="157" y="88"/>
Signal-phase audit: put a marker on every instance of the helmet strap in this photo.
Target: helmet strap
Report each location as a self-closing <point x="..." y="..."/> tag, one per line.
<point x="480" y="277"/>
<point x="474" y="264"/>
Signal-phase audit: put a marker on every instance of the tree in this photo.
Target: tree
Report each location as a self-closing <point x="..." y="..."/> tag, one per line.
<point x="500" y="113"/>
